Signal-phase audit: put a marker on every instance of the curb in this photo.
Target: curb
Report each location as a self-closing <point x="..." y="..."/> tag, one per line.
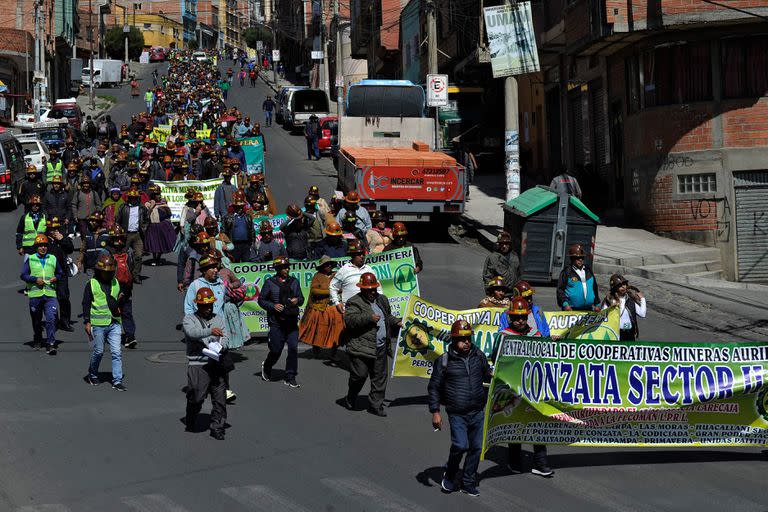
<point x="479" y="231"/>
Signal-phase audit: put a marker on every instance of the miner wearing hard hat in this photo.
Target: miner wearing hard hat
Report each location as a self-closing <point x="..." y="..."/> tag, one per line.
<point x="518" y="313"/>
<point x="457" y="383"/>
<point x="370" y="326"/>
<point x="41" y="272"/>
<point x="577" y="286"/>
<point x="102" y="317"/>
<point x="206" y="337"/>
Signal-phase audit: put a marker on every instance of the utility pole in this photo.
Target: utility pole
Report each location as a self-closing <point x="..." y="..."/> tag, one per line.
<point x="274" y="42"/>
<point x="511" y="138"/>
<point x="339" y="64"/>
<point x="126" y="31"/>
<point x="432" y="58"/>
<point x="90" y="29"/>
<point x="511" y="135"/>
<point x="326" y="85"/>
<point x="38" y="59"/>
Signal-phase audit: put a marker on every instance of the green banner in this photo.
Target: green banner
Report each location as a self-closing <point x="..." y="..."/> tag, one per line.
<point x="276" y="221"/>
<point x="426" y="331"/>
<point x="173" y="192"/>
<point x="641" y="393"/>
<point x="394" y="270"/>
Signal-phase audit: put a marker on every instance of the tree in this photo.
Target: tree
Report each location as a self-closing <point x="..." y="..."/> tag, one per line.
<point x="114" y="43"/>
<point x="253" y="34"/>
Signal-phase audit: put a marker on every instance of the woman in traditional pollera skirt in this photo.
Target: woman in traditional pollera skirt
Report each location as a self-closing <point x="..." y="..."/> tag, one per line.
<point x="161" y="235"/>
<point x="322" y="322"/>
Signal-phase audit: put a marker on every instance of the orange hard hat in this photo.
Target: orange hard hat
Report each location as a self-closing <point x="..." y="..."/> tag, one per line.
<point x="202" y="238"/>
<point x="368" y="281"/>
<point x="106" y="262"/>
<point x="399" y="229"/>
<point x="34" y="199"/>
<point x="281" y="261"/>
<point x="461" y="329"/>
<point x="116" y="231"/>
<point x="205" y="296"/>
<point x="333" y="229"/>
<point x="355" y="247"/>
<point x="265" y="227"/>
<point x="293" y="210"/>
<point x="519" y="307"/>
<point x="523" y="289"/>
<point x="41" y="240"/>
<point x="576" y="251"/>
<point x="496" y="282"/>
<point x="352" y="197"/>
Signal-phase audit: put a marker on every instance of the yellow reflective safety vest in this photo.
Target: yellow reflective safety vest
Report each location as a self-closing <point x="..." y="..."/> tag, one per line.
<point x="100" y="313"/>
<point x="44" y="267"/>
<point x="53" y="170"/>
<point x="30" y="231"/>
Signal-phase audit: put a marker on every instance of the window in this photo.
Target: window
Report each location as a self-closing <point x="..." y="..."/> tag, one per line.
<point x="696" y="183"/>
<point x="678" y="73"/>
<point x="745" y="67"/>
<point x="147" y="26"/>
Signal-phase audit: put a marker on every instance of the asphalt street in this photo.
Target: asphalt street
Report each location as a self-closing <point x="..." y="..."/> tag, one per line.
<point x="66" y="446"/>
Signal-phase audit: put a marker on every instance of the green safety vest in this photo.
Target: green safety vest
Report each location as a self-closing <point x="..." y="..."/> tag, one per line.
<point x="30" y="231"/>
<point x="148" y="96"/>
<point x="45" y="268"/>
<point x="53" y="170"/>
<point x="100" y="313"/>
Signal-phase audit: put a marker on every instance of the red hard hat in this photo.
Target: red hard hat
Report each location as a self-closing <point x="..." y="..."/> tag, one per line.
<point x="523" y="289"/>
<point x="519" y="307"/>
<point x="399" y="229"/>
<point x="205" y="296"/>
<point x="461" y="329"/>
<point x="368" y="281"/>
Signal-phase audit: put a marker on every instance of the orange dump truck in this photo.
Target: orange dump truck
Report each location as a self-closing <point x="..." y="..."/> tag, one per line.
<point x="391" y="163"/>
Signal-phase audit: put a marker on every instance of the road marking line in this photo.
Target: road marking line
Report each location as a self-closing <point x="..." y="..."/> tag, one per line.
<point x="371" y="495"/>
<point x="55" y="507"/>
<point x="262" y="498"/>
<point x="152" y="503"/>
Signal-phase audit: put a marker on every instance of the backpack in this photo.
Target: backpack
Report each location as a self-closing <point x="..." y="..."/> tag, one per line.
<point x="122" y="274"/>
<point x="103" y="128"/>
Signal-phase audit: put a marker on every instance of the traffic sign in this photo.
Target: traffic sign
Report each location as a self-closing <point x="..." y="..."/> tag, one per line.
<point x="275" y="55"/>
<point x="259" y="45"/>
<point x="317" y="55"/>
<point x="437" y="90"/>
<point x="339" y="80"/>
<point x="126" y="29"/>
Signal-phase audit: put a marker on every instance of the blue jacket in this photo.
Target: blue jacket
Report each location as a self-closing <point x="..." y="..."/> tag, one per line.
<point x="270" y="297"/>
<point x="457" y="383"/>
<point x="571" y="293"/>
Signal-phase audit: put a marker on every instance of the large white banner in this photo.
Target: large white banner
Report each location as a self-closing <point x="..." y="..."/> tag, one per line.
<point x="173" y="192"/>
<point x="512" y="39"/>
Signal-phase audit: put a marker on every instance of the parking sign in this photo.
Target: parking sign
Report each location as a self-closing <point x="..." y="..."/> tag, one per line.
<point x="437" y="90"/>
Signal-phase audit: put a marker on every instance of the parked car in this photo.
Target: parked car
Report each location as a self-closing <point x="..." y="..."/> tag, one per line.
<point x="69" y="109"/>
<point x="201" y="56"/>
<point x="54" y="136"/>
<point x="33" y="149"/>
<point x="329" y="133"/>
<point x="301" y="104"/>
<point x="28" y="117"/>
<point x="281" y="97"/>
<point x="12" y="168"/>
<point x="157" y="54"/>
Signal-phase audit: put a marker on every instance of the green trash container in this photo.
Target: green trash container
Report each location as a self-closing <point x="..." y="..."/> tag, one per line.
<point x="543" y="225"/>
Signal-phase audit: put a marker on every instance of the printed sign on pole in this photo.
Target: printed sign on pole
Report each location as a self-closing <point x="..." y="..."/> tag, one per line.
<point x="259" y="45"/>
<point x="317" y="55"/>
<point x="437" y="90"/>
<point x="276" y="55"/>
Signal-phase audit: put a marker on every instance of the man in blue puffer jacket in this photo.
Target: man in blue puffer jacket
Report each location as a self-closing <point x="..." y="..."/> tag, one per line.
<point x="577" y="286"/>
<point x="457" y="383"/>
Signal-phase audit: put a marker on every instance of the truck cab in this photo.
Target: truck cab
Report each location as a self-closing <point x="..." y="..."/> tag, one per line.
<point x="387" y="154"/>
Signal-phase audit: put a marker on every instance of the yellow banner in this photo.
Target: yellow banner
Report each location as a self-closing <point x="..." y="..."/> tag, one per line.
<point x="426" y="331"/>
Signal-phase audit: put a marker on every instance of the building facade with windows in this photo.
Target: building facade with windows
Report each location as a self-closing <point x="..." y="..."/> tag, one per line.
<point x="661" y="109"/>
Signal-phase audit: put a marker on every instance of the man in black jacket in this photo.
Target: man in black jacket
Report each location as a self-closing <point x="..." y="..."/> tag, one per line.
<point x="281" y="298"/>
<point x="133" y="217"/>
<point x="457" y="383"/>
<point x="61" y="246"/>
<point x="56" y="201"/>
<point x="31" y="185"/>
